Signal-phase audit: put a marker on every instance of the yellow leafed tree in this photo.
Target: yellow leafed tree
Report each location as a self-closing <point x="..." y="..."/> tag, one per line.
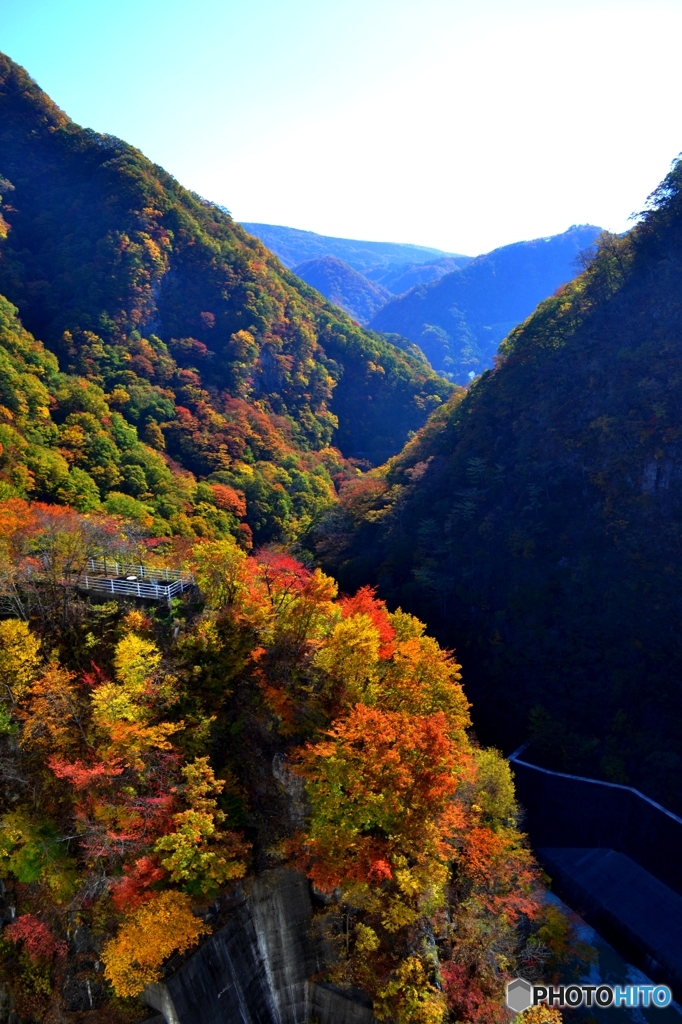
<point x="19" y="657"/>
<point x="122" y="710"/>
<point x="197" y="853"/>
<point x="160" y="927"/>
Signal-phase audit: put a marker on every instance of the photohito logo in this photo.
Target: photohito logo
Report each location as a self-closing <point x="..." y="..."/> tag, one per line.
<point x="521" y="995"/>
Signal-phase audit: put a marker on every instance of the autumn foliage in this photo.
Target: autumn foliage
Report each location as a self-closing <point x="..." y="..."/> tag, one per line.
<point x="151" y="933"/>
<point x="122" y="722"/>
<point x="411" y="826"/>
<point x="35" y="937"/>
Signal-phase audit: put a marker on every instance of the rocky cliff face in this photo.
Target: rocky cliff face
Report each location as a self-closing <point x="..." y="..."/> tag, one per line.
<point x="259" y="968"/>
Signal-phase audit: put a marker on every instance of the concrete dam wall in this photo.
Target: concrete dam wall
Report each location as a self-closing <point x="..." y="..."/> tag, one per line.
<point x="260" y="967"/>
<point x="613" y="855"/>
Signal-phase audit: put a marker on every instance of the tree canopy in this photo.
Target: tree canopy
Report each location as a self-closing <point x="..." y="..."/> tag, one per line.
<point x="136" y="752"/>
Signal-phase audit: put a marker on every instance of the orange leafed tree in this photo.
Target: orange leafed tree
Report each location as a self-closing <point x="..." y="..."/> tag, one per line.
<point x="380" y="786"/>
<point x="364" y="602"/>
<point x="410" y="822"/>
<point x="163" y="925"/>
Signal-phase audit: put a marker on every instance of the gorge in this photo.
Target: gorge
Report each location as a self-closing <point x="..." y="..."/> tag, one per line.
<point x="266" y="792"/>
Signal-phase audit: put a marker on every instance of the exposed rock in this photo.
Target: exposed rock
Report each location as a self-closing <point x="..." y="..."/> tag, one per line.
<point x="8" y="1014"/>
<point x="331" y="1005"/>
<point x="294" y="786"/>
<point x="82" y="993"/>
<point x="83" y="941"/>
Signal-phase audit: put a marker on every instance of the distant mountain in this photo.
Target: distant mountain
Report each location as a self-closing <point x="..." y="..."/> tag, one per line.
<point x="344" y="287"/>
<point x="173" y="351"/>
<point x="294" y="247"/>
<point x="400" y="279"/>
<point x="456" y="309"/>
<point x="459" y="320"/>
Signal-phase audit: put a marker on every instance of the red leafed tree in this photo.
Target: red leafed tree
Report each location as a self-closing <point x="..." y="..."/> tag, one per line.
<point x="365" y="602"/>
<point x="134" y="888"/>
<point x="380" y="787"/>
<point x="500" y="872"/>
<point x="35" y="937"/>
<point x="466" y="995"/>
<point x="281" y="576"/>
<point x="82" y="776"/>
<point x="229" y="499"/>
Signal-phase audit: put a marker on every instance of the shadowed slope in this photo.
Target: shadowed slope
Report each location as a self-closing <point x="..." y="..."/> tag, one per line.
<point x="536" y="522"/>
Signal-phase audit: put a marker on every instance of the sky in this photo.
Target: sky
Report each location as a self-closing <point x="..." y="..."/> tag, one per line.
<point x="459" y="125"/>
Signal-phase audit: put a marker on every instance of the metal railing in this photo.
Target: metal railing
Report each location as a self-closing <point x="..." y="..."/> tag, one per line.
<point x="563" y="810"/>
<point x="566" y="813"/>
<point x="114" y="568"/>
<point x="111" y="577"/>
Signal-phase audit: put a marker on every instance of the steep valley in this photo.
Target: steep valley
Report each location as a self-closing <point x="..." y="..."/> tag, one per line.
<point x="534" y="522"/>
<point x="243" y="774"/>
<point x="227" y="791"/>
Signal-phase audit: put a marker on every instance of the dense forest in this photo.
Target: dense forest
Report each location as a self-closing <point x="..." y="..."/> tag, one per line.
<point x="535" y="521"/>
<point x="156" y="304"/>
<point x="344" y="286"/>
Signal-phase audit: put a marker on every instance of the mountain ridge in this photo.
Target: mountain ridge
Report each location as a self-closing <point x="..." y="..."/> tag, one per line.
<point x="294" y="245"/>
<point x="345" y="287"/>
<point x="237" y="369"/>
<point x="461" y="318"/>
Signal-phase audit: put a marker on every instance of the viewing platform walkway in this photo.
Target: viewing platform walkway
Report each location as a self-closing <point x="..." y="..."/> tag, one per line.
<point x="105" y="576"/>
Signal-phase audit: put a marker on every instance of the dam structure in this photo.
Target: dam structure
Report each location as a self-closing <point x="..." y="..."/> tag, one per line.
<point x="260" y="967"/>
<point x="614" y="856"/>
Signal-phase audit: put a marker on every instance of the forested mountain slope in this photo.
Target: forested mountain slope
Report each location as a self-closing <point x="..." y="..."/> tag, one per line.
<point x="536" y="521"/>
<point x="460" y="319"/>
<point x="363" y="296"/>
<point x="217" y="355"/>
<point x="343" y="286"/>
<point x="62" y="438"/>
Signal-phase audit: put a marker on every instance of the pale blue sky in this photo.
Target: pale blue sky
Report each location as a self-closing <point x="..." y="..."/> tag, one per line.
<point x="462" y="125"/>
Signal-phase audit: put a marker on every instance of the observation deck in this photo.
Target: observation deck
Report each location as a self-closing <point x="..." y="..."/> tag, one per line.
<point x="105" y="576"/>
